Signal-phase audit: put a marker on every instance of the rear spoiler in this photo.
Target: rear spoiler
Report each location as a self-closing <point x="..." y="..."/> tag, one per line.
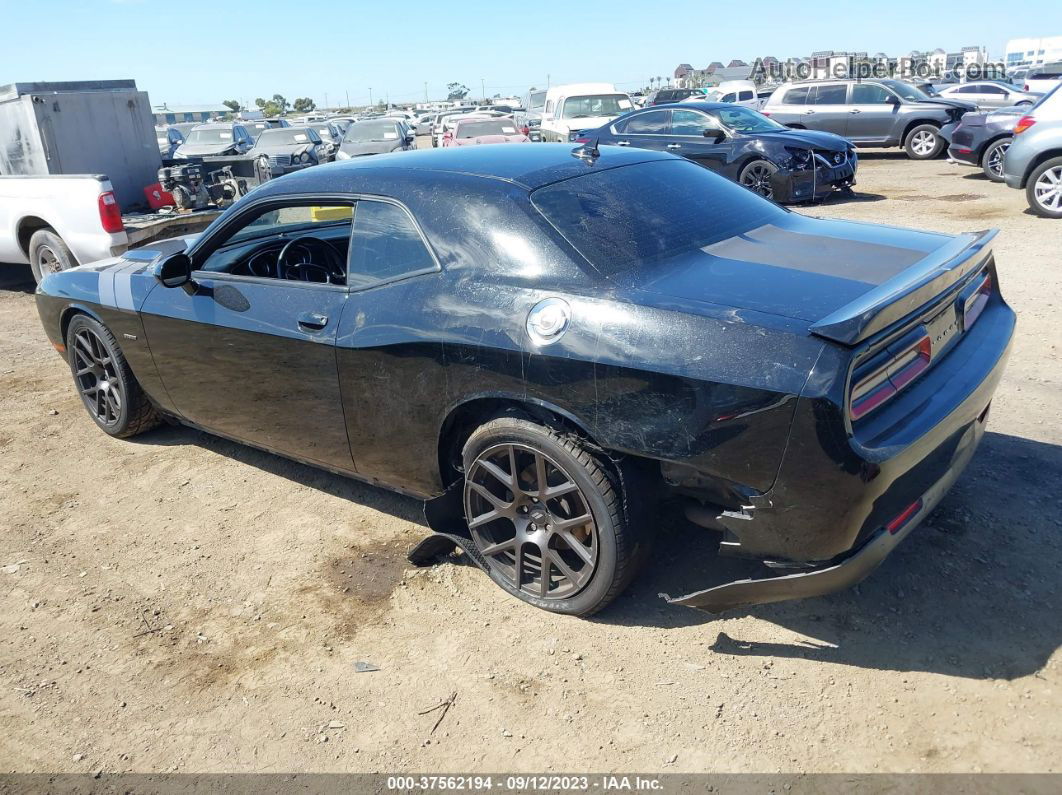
<point x="908" y="290"/>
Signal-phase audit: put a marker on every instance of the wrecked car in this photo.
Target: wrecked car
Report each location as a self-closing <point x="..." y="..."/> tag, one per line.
<point x="544" y="343"/>
<point x="742" y="144"/>
<point x="213" y="139"/>
<point x="291" y="148"/>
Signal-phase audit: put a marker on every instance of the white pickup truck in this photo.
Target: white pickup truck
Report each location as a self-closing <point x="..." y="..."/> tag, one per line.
<point x="57" y="222"/>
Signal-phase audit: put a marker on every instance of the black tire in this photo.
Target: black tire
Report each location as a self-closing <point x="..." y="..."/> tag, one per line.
<point x="49" y="254"/>
<point x="924" y="142"/>
<point x="1044" y="189"/>
<point x="617" y="552"/>
<point x="992" y="159"/>
<point x="756" y="176"/>
<point x="108" y="389"/>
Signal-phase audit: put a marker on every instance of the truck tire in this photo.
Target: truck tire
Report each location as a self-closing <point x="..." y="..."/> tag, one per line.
<point x="924" y="142"/>
<point x="1044" y="189"/>
<point x="514" y="526"/>
<point x="49" y="254"/>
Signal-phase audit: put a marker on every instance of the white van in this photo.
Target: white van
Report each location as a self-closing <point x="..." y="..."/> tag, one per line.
<point x="575" y="107"/>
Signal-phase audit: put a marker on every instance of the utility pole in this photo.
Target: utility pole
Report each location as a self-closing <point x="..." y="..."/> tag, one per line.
<point x="326" y="101"/>
<point x="547" y="82"/>
<point x="483" y="90"/>
<point x="347" y="91"/>
<point x="370" y="97"/>
<point x="425" y="92"/>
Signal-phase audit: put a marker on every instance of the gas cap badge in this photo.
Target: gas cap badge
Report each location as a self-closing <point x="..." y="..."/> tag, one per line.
<point x="548" y="320"/>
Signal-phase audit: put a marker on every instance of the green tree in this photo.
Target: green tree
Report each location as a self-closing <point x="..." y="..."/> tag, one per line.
<point x="232" y="105"/>
<point x="456" y="91"/>
<point x="304" y="105"/>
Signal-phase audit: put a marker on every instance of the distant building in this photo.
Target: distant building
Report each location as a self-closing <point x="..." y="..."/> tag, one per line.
<point x="164" y="114"/>
<point x="1033" y="52"/>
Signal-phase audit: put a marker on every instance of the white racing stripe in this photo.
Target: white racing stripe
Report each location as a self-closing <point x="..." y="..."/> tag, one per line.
<point x="115" y="285"/>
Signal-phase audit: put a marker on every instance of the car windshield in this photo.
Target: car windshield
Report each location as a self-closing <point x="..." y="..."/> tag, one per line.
<point x="905" y="90"/>
<point x="746" y="120"/>
<point x="474" y="129"/>
<point x="536" y="100"/>
<point x="278" y="136"/>
<point x="367" y="131"/>
<point x="212" y="135"/>
<point x="625" y="218"/>
<point x="597" y="105"/>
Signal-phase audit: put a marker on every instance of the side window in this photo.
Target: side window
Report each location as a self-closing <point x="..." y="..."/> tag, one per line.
<point x="968" y="90"/>
<point x="728" y="97"/>
<point x="869" y="94"/>
<point x="385" y="245"/>
<point x="549" y="108"/>
<point x="745" y="95"/>
<point x="796" y="96"/>
<point x="652" y="123"/>
<point x="828" y="95"/>
<point x="688" y="122"/>
<point x="991" y="89"/>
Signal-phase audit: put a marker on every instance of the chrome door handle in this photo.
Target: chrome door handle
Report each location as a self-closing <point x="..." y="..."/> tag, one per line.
<point x="855" y="110"/>
<point x="313" y="321"/>
<point x="674" y="146"/>
<point x="623" y="143"/>
<point x="808" y="112"/>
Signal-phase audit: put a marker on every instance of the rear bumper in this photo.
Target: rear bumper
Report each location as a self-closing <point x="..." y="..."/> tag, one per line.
<point x="849" y="570"/>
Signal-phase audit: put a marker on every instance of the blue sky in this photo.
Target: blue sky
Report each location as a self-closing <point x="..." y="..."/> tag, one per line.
<point x="340" y="46"/>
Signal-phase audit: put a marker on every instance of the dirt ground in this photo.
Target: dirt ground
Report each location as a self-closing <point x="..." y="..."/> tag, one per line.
<point x="182" y="603"/>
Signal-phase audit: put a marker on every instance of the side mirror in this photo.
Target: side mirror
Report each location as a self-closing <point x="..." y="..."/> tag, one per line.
<point x="174" y="271"/>
<point x="893" y="99"/>
<point x="714" y="133"/>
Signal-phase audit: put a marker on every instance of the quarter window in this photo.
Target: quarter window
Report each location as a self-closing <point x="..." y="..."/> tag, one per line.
<point x="385" y="245"/>
<point x="796" y="96"/>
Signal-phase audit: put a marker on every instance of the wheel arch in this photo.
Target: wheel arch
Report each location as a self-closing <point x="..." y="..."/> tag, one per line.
<point x="985" y="146"/>
<point x="1039" y="160"/>
<point x="70" y="312"/>
<point x="27" y="227"/>
<point x="917" y="123"/>
<point x="471" y="412"/>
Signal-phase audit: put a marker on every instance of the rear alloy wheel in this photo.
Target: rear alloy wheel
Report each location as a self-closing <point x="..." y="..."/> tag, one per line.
<point x="992" y="161"/>
<point x="546" y="517"/>
<point x="111" y="394"/>
<point x="1044" y="189"/>
<point x="757" y="177"/>
<point x="924" y="142"/>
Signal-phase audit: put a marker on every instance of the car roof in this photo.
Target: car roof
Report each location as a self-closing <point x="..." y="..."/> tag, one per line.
<point x="695" y="106"/>
<point x="215" y="125"/>
<point x="530" y="167"/>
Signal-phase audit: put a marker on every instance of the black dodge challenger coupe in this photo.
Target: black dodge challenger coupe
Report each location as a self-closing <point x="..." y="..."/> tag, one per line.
<point x="775" y="161"/>
<point x="544" y="343"/>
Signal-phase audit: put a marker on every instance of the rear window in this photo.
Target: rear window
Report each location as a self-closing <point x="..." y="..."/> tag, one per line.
<point x="632" y="216"/>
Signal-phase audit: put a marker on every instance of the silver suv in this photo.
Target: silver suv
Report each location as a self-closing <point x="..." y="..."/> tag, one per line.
<point x="1034" y="160"/>
<point x="869" y="113"/>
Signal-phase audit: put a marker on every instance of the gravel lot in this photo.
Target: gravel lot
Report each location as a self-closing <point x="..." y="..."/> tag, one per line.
<point x="179" y="602"/>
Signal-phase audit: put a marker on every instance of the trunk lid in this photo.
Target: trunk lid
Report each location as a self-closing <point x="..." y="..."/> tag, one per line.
<point x="847" y="280"/>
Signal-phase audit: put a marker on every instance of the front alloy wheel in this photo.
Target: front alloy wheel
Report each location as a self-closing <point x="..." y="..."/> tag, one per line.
<point x="96" y="374"/>
<point x="757" y="177"/>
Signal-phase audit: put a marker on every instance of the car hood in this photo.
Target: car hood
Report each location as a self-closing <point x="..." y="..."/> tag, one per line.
<point x="368" y="147"/>
<point x="198" y="150"/>
<point x="796" y="267"/>
<point x="284" y="149"/>
<point x="945" y="102"/>
<point x="809" y="138"/>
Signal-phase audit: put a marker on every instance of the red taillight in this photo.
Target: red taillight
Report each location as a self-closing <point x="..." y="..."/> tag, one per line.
<point x="890" y="372"/>
<point x="1025" y="87"/>
<point x="582" y="140"/>
<point x="110" y="213"/>
<point x="1024" y="123"/>
<point x="976" y="302"/>
<point x="898" y="523"/>
<point x="965" y="151"/>
<point x="525" y="130"/>
<point x="765" y="113"/>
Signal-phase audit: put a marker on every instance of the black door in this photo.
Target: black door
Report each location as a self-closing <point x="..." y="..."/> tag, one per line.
<point x="250" y="352"/>
<point x="645" y="130"/>
<point x="688" y="131"/>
